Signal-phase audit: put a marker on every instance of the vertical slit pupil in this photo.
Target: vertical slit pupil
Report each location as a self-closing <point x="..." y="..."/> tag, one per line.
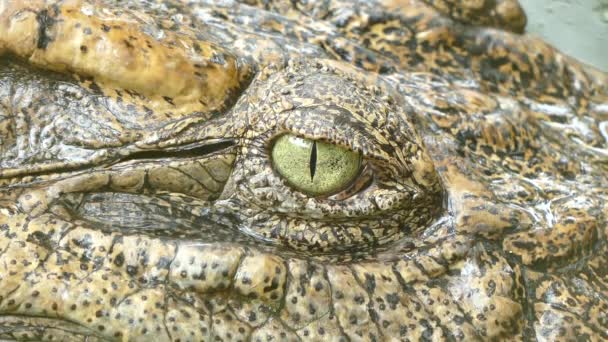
<point x="313" y="160"/>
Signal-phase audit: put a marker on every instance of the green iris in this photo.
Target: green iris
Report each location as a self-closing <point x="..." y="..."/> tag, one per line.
<point x="314" y="167"/>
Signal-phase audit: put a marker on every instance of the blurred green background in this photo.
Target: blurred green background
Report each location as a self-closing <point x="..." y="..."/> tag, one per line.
<point x="576" y="27"/>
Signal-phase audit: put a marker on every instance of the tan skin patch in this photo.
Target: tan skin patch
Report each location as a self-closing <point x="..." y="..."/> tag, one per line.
<point x="171" y="73"/>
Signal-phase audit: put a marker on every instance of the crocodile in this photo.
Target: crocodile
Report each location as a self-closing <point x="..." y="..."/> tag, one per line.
<point x="265" y="170"/>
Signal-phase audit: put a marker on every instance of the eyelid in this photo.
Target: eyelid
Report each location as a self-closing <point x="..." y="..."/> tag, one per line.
<point x="319" y="125"/>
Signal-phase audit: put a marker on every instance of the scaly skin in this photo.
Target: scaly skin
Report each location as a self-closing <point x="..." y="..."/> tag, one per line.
<point x="138" y="200"/>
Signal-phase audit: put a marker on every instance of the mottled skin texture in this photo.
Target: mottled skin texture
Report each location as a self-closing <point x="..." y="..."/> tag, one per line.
<point x="138" y="199"/>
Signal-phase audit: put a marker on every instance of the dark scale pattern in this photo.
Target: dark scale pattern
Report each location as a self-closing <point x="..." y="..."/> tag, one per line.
<point x="138" y="200"/>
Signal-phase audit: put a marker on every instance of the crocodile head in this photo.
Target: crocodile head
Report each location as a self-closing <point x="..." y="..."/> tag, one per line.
<point x="297" y="171"/>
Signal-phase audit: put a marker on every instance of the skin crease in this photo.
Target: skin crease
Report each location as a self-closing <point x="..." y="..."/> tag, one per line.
<point x="138" y="199"/>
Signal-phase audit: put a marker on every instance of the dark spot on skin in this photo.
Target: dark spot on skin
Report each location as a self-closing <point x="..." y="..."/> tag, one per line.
<point x="163" y="263"/>
<point x="273" y="285"/>
<point x="168" y="100"/>
<point x="318" y="286"/>
<point x="296" y="317"/>
<point x="491" y="288"/>
<point x="370" y="282"/>
<point x="105" y="28"/>
<point x="524" y="245"/>
<point x="311" y="309"/>
<point x="428" y="332"/>
<point x="119" y="260"/>
<point x="45" y="24"/>
<point x="94" y="87"/>
<point x="218" y="58"/>
<point x="373" y="314"/>
<point x="132" y="270"/>
<point x="197" y="48"/>
<point x="83" y="49"/>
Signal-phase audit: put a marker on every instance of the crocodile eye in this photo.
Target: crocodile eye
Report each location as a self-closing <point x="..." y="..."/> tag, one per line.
<point x="314" y="167"/>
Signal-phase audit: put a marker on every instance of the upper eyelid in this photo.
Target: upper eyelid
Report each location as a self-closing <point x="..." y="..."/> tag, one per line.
<point x="328" y="131"/>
